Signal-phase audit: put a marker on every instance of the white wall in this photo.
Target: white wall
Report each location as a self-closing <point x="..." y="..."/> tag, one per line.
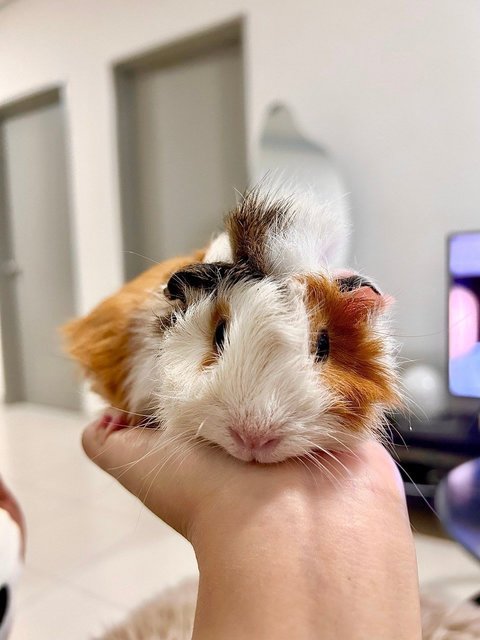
<point x="390" y="87"/>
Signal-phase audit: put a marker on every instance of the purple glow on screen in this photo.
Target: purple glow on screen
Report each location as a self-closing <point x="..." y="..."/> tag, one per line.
<point x="464" y="315"/>
<point x="463" y="321"/>
<point x="465" y="255"/>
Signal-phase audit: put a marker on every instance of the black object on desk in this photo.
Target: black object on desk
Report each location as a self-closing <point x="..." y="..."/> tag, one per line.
<point x="427" y="449"/>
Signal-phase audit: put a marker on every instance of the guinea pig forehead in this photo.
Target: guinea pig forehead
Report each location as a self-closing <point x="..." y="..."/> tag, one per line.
<point x="245" y="291"/>
<point x="239" y="277"/>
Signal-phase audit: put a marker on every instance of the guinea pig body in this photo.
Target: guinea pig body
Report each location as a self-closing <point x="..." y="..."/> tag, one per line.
<point x="254" y="345"/>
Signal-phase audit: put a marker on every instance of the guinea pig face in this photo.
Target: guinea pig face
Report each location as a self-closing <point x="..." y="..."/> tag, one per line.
<point x="270" y="369"/>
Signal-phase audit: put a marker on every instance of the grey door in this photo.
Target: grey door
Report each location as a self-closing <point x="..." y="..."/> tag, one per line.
<point x="35" y="261"/>
<point x="182" y="124"/>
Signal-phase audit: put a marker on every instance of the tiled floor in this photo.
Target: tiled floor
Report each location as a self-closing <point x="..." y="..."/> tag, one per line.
<point x="94" y="552"/>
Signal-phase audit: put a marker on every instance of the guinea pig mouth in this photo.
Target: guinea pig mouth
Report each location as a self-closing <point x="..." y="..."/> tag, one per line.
<point x="253" y="448"/>
<point x="260" y="457"/>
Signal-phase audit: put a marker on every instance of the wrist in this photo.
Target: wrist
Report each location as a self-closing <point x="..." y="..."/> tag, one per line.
<point x="256" y="565"/>
<point x="277" y="563"/>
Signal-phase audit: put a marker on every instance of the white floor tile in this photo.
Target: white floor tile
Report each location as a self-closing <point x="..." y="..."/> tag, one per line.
<point x="40" y="506"/>
<point x="32" y="584"/>
<point x="79" y="537"/>
<point x="135" y="572"/>
<point x="445" y="568"/>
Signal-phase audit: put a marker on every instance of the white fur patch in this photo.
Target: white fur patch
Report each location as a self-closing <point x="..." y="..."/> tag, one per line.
<point x="314" y="238"/>
<point x="219" y="250"/>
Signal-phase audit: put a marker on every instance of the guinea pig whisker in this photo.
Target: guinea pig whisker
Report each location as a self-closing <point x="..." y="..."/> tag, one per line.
<point x="344" y="447"/>
<point x="131" y="413"/>
<point x="144" y="498"/>
<point x="184" y="451"/>
<point x="165" y="442"/>
<point x="392" y="428"/>
<point x="176" y="439"/>
<point x="158" y="469"/>
<point x="153" y="424"/>
<point x="327" y="453"/>
<point x="134" y="253"/>
<point x="186" y="440"/>
<point x="408" y="413"/>
<point x="323" y="468"/>
<point x="409" y="477"/>
<point x="200" y="427"/>
<point x="306" y="466"/>
<point x="385" y="437"/>
<point x="336" y="460"/>
<point x="328" y="463"/>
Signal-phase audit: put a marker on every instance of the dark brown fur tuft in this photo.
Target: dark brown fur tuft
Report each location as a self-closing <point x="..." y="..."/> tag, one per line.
<point x="250" y="224"/>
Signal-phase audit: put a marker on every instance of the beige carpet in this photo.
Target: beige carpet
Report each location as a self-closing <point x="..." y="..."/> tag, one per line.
<point x="170" y="617"/>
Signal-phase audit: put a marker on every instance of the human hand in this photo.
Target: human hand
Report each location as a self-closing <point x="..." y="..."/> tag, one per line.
<point x="327" y="540"/>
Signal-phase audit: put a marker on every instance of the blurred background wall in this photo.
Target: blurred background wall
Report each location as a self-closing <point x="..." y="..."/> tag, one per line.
<point x="389" y="88"/>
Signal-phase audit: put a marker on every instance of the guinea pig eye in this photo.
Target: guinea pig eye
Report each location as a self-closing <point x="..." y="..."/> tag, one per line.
<point x="323" y="346"/>
<point x="219" y="337"/>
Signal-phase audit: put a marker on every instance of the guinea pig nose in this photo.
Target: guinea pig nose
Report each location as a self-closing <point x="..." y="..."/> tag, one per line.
<point x="238" y="438"/>
<point x="254" y="442"/>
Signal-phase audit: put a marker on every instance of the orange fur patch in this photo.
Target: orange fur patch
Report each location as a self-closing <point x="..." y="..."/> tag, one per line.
<point x="101" y="340"/>
<point x="355" y="367"/>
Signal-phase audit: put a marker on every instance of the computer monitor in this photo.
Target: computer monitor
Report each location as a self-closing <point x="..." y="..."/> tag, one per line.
<point x="464" y="315"/>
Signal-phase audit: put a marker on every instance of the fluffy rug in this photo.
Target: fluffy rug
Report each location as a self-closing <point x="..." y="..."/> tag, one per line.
<point x="170" y="617"/>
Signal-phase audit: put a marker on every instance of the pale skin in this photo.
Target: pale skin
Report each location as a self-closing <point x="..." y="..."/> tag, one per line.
<point x="284" y="551"/>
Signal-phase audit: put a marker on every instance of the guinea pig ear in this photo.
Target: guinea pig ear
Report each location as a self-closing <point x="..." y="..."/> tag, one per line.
<point x="195" y="277"/>
<point x="219" y="250"/>
<point x="282" y="235"/>
<point x="364" y="296"/>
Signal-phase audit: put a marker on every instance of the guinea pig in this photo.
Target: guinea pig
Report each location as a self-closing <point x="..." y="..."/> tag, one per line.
<point x="255" y="344"/>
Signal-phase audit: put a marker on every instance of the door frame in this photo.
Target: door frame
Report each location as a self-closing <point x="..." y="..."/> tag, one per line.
<point x="12" y="365"/>
<point x="177" y="51"/>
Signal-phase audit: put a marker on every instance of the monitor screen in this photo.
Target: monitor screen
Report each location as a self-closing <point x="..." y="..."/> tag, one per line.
<point x="464" y="315"/>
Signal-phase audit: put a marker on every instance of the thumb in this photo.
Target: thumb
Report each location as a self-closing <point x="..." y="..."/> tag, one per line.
<point x="126" y="453"/>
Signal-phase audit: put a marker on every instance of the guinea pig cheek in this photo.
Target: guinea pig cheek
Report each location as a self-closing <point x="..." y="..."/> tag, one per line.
<point x="356" y="370"/>
<point x="182" y="367"/>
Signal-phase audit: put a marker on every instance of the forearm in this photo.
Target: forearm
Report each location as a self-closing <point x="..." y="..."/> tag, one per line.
<point x="300" y="568"/>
